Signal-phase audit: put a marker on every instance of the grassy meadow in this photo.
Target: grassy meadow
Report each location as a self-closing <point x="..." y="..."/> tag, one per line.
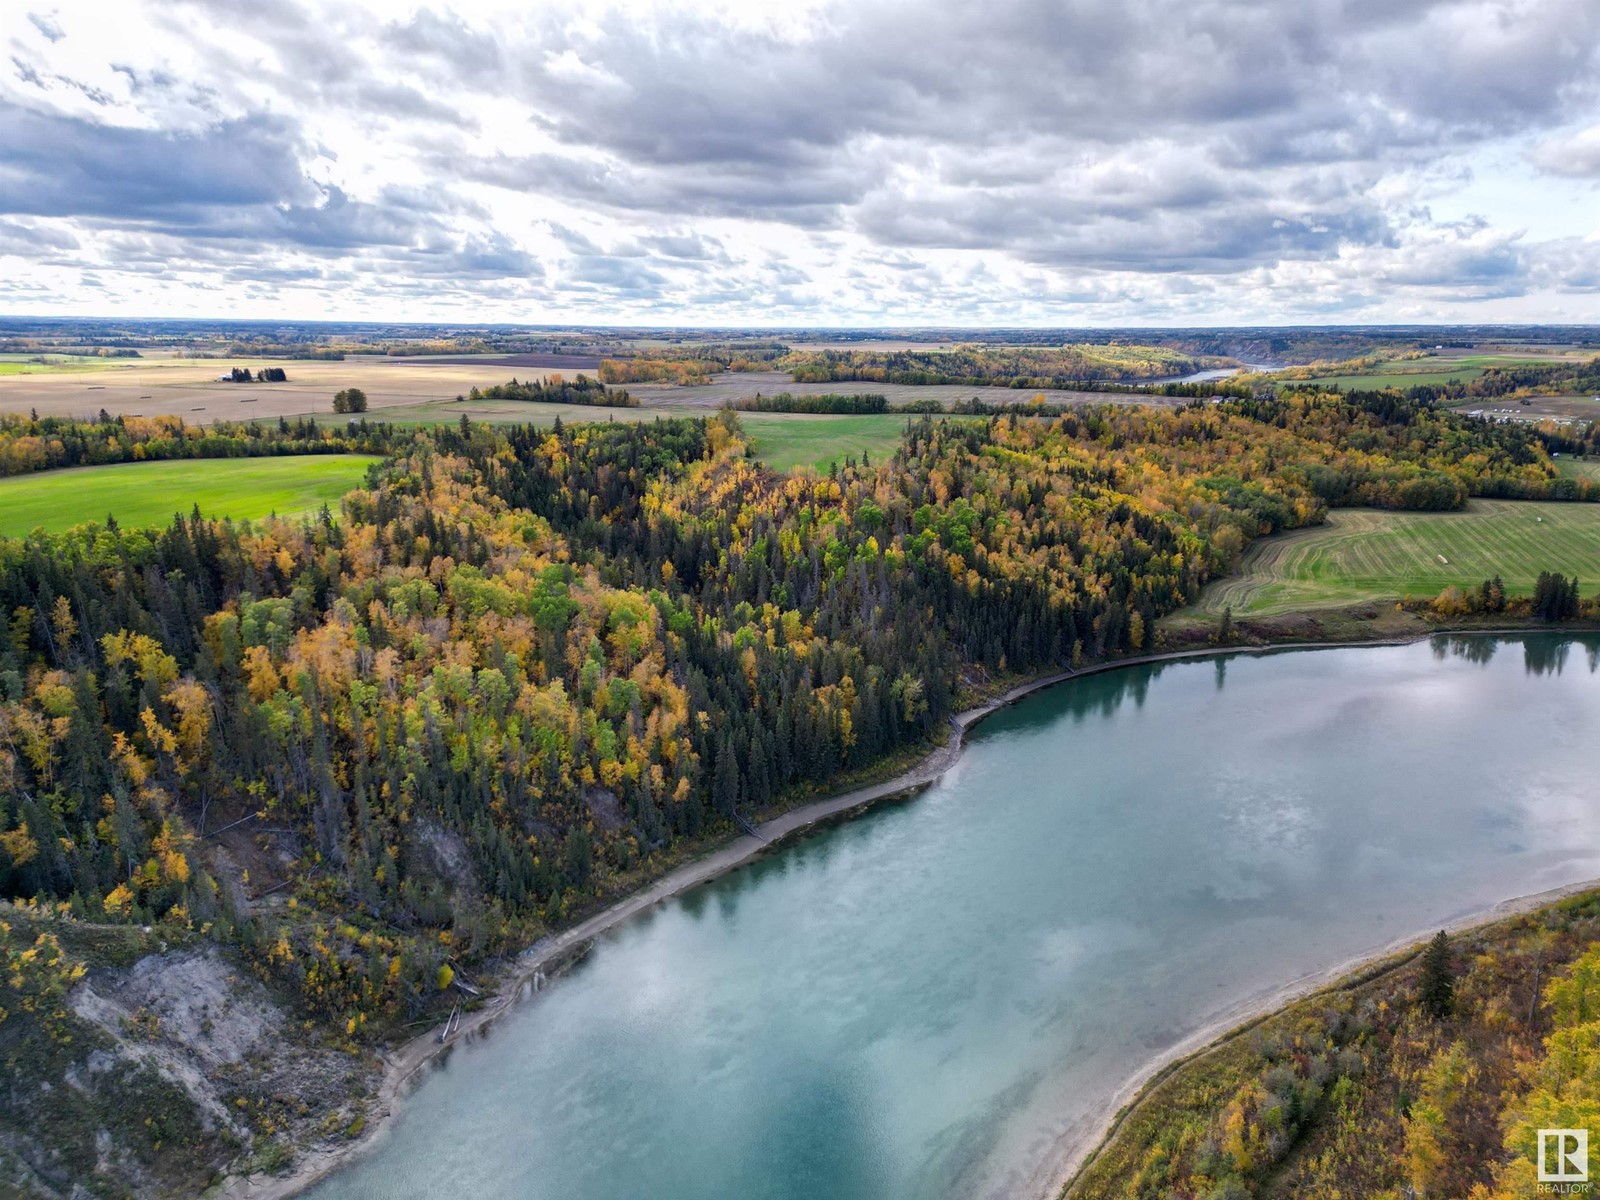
<point x="150" y="493"/>
<point x="785" y="441"/>
<point x="1367" y="554"/>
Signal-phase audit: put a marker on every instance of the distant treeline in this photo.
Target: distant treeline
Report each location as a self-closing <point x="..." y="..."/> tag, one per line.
<point x="976" y="406"/>
<point x="691" y="365"/>
<point x="1209" y="389"/>
<point x="265" y="375"/>
<point x="557" y="390"/>
<point x="269" y="350"/>
<point x="788" y="402"/>
<point x="681" y="371"/>
<point x="875" y="402"/>
<point x="35" y="443"/>
<point x="1513" y="379"/>
<point x="1502" y="382"/>
<point x="994" y="366"/>
<point x="1241" y="389"/>
<point x="1461" y="457"/>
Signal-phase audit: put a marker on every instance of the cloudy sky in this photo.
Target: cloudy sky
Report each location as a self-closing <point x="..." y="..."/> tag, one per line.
<point x="862" y="162"/>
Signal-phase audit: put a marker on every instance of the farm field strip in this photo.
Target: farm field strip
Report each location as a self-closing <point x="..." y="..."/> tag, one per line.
<point x="24" y="366"/>
<point x="142" y="494"/>
<point x="1365" y="554"/>
<point x="1388" y="379"/>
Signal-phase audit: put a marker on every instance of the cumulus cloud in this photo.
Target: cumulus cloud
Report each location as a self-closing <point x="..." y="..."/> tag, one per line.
<point x="57" y="165"/>
<point x="870" y="160"/>
<point x="1575" y="154"/>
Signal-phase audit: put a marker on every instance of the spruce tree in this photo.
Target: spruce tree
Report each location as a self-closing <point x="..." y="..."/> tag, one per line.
<point x="725" y="783"/>
<point x="1437" y="988"/>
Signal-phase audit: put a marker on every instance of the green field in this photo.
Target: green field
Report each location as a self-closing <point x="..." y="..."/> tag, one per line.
<point x="57" y="364"/>
<point x="1393" y="379"/>
<point x="1405" y="373"/>
<point x="150" y="493"/>
<point x="1578" y="468"/>
<point x="1367" y="554"/>
<point x="785" y="441"/>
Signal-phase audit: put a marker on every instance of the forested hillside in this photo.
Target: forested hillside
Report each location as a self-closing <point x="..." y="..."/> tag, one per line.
<point x="527" y="667"/>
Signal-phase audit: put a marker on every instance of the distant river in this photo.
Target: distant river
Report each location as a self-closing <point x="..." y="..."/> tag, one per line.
<point x="1217" y="373"/>
<point x="921" y="1002"/>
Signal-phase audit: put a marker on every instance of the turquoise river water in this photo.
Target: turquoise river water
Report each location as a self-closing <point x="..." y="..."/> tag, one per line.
<point x="938" y="998"/>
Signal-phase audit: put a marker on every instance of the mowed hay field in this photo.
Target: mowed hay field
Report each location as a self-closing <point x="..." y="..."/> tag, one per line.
<point x="1578" y="468"/>
<point x="1367" y="554"/>
<point x="140" y="494"/>
<point x="785" y="441"/>
<point x="1378" y="380"/>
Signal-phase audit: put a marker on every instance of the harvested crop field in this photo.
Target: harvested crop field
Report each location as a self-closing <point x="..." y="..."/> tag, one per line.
<point x="189" y="388"/>
<point x="1367" y="554"/>
<point x="738" y="385"/>
<point x="539" y="362"/>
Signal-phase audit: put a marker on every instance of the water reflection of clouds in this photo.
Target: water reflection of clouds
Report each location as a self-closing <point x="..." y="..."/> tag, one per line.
<point x="1271" y="820"/>
<point x="1233" y="882"/>
<point x="1062" y="953"/>
<point x="1505" y="825"/>
<point x="1557" y="810"/>
<point x="1255" y="831"/>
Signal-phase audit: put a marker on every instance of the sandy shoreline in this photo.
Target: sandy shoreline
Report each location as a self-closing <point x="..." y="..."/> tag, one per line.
<point x="1076" y="1146"/>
